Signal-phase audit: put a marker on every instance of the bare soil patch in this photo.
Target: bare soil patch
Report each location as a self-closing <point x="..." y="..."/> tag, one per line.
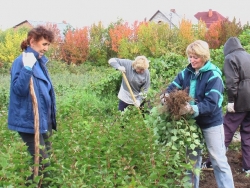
<point x="241" y="180"/>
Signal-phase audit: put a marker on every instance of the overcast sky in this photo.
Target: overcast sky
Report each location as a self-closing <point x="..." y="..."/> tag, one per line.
<point x="80" y="13"/>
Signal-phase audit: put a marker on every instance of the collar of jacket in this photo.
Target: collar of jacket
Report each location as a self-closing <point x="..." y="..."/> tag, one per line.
<point x="207" y="66"/>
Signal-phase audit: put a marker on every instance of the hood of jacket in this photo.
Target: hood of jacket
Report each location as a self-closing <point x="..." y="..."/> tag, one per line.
<point x="232" y="44"/>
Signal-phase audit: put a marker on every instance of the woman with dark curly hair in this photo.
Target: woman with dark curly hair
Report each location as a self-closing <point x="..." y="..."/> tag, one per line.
<point x="31" y="64"/>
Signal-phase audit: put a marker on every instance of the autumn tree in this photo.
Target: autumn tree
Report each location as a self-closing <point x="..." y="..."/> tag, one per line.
<point x="10" y="45"/>
<point x="213" y="35"/>
<point x="229" y="29"/>
<point x="98" y="44"/>
<point x="154" y="39"/>
<point x="200" y="30"/>
<point x="75" y="48"/>
<point x="118" y="33"/>
<point x="128" y="46"/>
<point x="186" y="34"/>
<point x="220" y="31"/>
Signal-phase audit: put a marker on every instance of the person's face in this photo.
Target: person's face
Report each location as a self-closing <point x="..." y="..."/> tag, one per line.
<point x="139" y="70"/>
<point x="196" y="61"/>
<point x="40" y="46"/>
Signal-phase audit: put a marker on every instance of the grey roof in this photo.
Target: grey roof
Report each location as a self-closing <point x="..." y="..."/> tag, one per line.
<point x="61" y="26"/>
<point x="173" y="16"/>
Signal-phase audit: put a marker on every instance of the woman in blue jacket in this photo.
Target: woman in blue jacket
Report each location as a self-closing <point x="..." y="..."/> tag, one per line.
<point x="203" y="82"/>
<point x="31" y="64"/>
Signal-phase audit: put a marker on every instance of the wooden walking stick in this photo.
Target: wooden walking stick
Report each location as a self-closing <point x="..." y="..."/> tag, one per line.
<point x="129" y="88"/>
<point x="36" y="127"/>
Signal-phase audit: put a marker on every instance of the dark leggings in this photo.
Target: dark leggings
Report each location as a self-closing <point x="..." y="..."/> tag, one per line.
<point x="29" y="140"/>
<point x="122" y="105"/>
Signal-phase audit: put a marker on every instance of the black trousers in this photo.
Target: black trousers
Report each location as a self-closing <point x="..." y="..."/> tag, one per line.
<point x="29" y="140"/>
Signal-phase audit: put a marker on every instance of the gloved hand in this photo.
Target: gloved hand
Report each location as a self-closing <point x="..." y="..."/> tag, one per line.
<point x="122" y="69"/>
<point x="143" y="95"/>
<point x="28" y="59"/>
<point x="230" y="107"/>
<point x="187" y="109"/>
<point x="163" y="98"/>
<point x="137" y="103"/>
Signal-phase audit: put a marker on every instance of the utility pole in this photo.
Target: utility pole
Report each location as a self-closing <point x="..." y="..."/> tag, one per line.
<point x="170" y="16"/>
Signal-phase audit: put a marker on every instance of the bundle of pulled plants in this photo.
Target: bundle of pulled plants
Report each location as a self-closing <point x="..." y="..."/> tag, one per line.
<point x="175" y="102"/>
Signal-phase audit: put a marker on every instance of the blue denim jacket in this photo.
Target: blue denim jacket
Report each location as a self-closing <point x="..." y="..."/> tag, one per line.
<point x="20" y="114"/>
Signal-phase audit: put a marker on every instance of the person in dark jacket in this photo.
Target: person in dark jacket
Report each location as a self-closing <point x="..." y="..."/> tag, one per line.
<point x="203" y="81"/>
<point x="138" y="77"/>
<point x="31" y="64"/>
<point x="237" y="73"/>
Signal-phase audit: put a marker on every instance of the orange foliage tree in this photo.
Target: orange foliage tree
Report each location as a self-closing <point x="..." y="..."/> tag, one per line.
<point x="186" y="34"/>
<point x="220" y="31"/>
<point x="118" y="33"/>
<point x="213" y="35"/>
<point x="75" y="47"/>
<point x="128" y="47"/>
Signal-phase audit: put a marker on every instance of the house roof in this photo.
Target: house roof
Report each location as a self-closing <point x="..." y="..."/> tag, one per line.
<point x="61" y="26"/>
<point x="171" y="16"/>
<point x="174" y="16"/>
<point x="209" y="17"/>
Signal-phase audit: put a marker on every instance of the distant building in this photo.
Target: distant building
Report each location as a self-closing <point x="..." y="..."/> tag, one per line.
<point x="30" y="24"/>
<point x="171" y="17"/>
<point x="209" y="17"/>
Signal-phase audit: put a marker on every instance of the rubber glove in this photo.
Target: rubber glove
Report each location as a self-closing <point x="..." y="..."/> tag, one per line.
<point x="143" y="95"/>
<point x="187" y="109"/>
<point x="230" y="107"/>
<point x="28" y="59"/>
<point x="137" y="103"/>
<point x="122" y="69"/>
<point x="163" y="98"/>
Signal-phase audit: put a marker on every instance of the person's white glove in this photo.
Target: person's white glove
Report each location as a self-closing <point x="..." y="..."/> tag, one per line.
<point x="143" y="95"/>
<point x="122" y="69"/>
<point x="186" y="109"/>
<point x="28" y="59"/>
<point x="137" y="103"/>
<point x="163" y="98"/>
<point x="230" y="107"/>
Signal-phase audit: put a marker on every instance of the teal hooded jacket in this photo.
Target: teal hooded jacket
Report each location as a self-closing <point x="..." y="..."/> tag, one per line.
<point x="206" y="88"/>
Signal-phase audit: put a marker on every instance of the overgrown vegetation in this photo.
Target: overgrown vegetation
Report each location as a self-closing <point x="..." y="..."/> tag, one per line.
<point x="96" y="145"/>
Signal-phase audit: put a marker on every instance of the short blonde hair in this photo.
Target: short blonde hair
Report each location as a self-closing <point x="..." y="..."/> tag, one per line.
<point x="140" y="62"/>
<point x="199" y="48"/>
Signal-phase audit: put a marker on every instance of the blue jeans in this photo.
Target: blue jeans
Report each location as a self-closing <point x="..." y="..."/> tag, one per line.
<point x="214" y="138"/>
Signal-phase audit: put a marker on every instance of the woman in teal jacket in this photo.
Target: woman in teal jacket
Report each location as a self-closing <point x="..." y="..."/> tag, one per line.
<point x="203" y="82"/>
<point x="31" y="64"/>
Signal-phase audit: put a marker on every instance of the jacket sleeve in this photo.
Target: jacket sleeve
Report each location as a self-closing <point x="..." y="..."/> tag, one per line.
<point x="20" y="78"/>
<point x="213" y="97"/>
<point x="116" y="62"/>
<point x="177" y="83"/>
<point x="230" y="70"/>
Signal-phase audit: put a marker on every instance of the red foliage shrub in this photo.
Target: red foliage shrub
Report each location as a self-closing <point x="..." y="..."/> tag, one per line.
<point x="75" y="47"/>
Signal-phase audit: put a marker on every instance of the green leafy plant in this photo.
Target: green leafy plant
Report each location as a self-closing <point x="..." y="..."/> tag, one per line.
<point x="175" y="134"/>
